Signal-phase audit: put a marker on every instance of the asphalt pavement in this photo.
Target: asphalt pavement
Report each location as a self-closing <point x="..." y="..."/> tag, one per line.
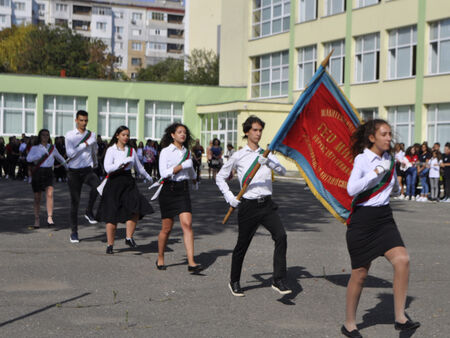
<point x="50" y="287"/>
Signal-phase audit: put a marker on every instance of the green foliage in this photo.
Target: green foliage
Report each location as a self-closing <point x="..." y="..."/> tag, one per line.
<point x="169" y="70"/>
<point x="203" y="67"/>
<point x="45" y="50"/>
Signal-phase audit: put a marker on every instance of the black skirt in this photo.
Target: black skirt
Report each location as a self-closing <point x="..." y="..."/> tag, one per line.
<point x="174" y="199"/>
<point x="121" y="200"/>
<point x="372" y="231"/>
<point x="41" y="179"/>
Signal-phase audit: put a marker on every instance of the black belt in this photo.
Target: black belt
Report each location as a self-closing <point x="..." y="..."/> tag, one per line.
<point x="259" y="200"/>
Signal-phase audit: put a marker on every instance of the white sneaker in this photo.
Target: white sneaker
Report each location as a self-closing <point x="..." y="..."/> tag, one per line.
<point x="413" y="198"/>
<point x="401" y="197"/>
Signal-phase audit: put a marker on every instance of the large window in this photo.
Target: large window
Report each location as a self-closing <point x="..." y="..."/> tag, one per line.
<point x="401" y="118"/>
<point x="307" y="10"/>
<point x="368" y="114"/>
<point x="367" y="57"/>
<point x="19" y="6"/>
<point x="4" y="3"/>
<point x="270" y="17"/>
<point x="157" y="16"/>
<point x="113" y="113"/>
<point x="402" y="52"/>
<point x="222" y="126"/>
<point x="61" y="7"/>
<point x="136" y="46"/>
<point x="336" y="64"/>
<point x="440" y="47"/>
<point x="306" y="65"/>
<point x="101" y="26"/>
<point x="270" y="75"/>
<point x="2" y="18"/>
<point x="160" y="114"/>
<point x="364" y="3"/>
<point x="17" y="113"/>
<point x="60" y="113"/>
<point x="334" y="6"/>
<point x="438" y="117"/>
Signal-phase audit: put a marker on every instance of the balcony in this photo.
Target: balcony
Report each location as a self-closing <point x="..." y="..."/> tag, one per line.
<point x="82" y="10"/>
<point x="175" y="34"/>
<point x="81" y="25"/>
<point x="176" y="19"/>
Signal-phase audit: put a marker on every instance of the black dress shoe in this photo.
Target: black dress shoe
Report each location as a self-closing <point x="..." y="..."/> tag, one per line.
<point x="131" y="243"/>
<point x="408" y="325"/>
<point x="109" y="250"/>
<point x="196" y="268"/>
<point x="160" y="267"/>
<point x="50" y="225"/>
<point x="352" y="334"/>
<point x="235" y="289"/>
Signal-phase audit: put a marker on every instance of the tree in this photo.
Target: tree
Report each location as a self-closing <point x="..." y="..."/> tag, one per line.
<point x="203" y="67"/>
<point x="169" y="70"/>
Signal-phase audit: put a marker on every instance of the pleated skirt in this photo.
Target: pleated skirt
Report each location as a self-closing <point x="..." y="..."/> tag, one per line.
<point x="372" y="232"/>
<point x="121" y="200"/>
<point x="174" y="199"/>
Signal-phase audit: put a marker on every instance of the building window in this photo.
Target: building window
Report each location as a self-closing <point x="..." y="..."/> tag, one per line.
<point x="118" y="15"/>
<point x="156" y="46"/>
<point x="4" y="3"/>
<point x="270" y="17"/>
<point x="157" y="16"/>
<point x="133" y="76"/>
<point x="113" y="113"/>
<point x="222" y="126"/>
<point x="306" y="65"/>
<point x="41" y="8"/>
<point x="367" y="58"/>
<point x="17" y="114"/>
<point x="307" y="10"/>
<point x="440" y="47"/>
<point x="137" y="32"/>
<point x="364" y="3"/>
<point x="334" y="6"/>
<point x="136" y="46"/>
<point x="19" y="6"/>
<point x="160" y="114"/>
<point x="119" y="29"/>
<point x="136" y="61"/>
<point x="336" y="65"/>
<point x="119" y="60"/>
<point x="119" y="45"/>
<point x="60" y="112"/>
<point x="270" y="75"/>
<point x="368" y="114"/>
<point x="438" y="118"/>
<point x="61" y="8"/>
<point x="401" y="118"/>
<point x="136" y="16"/>
<point x="402" y="52"/>
<point x="101" y="10"/>
<point x="101" y="26"/>
<point x="2" y="18"/>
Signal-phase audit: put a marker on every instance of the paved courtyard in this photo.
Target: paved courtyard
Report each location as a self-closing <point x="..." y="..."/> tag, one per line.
<point x="52" y="288"/>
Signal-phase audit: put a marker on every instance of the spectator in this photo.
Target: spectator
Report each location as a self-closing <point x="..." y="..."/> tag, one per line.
<point x="446" y="165"/>
<point x="3" y="166"/>
<point x="149" y="157"/>
<point x="197" y="152"/>
<point x="399" y="158"/>
<point x="409" y="163"/>
<point x="12" y="156"/>
<point x="216" y="157"/>
<point x="434" y="174"/>
<point x="423" y="169"/>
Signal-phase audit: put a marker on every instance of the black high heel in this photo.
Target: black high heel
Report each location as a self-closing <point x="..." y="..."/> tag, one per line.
<point x="196" y="268"/>
<point x="160" y="267"/>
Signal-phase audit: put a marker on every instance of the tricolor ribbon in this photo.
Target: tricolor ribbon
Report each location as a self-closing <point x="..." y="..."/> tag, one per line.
<point x="103" y="183"/>
<point x="246" y="177"/>
<point x="43" y="158"/>
<point x="160" y="182"/>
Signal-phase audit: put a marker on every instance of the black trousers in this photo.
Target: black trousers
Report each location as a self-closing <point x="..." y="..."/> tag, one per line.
<point x="76" y="178"/>
<point x="447" y="186"/>
<point x="250" y="215"/>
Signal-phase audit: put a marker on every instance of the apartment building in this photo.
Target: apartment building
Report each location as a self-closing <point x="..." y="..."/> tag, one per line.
<point x="391" y="59"/>
<point x="139" y="33"/>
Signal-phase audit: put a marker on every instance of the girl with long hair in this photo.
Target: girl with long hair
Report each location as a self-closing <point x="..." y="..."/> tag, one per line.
<point x="43" y="154"/>
<point x="411" y="172"/>
<point x="121" y="200"/>
<point x="372" y="231"/>
<point x="176" y="169"/>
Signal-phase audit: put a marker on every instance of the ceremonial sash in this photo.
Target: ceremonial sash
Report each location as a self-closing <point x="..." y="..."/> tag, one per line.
<point x="160" y="182"/>
<point x="85" y="138"/>
<point x="103" y="183"/>
<point x="43" y="158"/>
<point x="246" y="178"/>
<point x="372" y="192"/>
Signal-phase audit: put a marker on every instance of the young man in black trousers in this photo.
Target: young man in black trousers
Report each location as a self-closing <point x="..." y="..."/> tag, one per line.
<point x="80" y="149"/>
<point x="256" y="206"/>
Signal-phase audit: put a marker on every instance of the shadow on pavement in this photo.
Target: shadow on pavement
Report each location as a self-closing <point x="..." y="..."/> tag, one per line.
<point x="371" y="281"/>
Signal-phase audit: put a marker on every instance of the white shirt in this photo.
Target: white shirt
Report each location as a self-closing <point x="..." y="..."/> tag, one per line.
<point x="115" y="157"/>
<point x="36" y="152"/>
<point x="434" y="168"/>
<point x="81" y="156"/>
<point x="241" y="160"/>
<point x="169" y="158"/>
<point x="363" y="177"/>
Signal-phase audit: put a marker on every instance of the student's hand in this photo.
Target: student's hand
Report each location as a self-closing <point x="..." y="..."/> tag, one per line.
<point x="149" y="179"/>
<point x="127" y="160"/>
<point x="187" y="164"/>
<point x="231" y="199"/>
<point x="82" y="146"/>
<point x="262" y="160"/>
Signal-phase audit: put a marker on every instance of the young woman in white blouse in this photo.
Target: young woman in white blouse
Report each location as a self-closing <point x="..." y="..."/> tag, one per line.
<point x="121" y="200"/>
<point x="372" y="231"/>
<point x="176" y="168"/>
<point x="43" y="154"/>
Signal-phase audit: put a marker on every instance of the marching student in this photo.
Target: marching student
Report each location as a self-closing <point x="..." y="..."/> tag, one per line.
<point x="81" y="152"/>
<point x="256" y="206"/>
<point x="372" y="231"/>
<point x="176" y="169"/>
<point x="121" y="201"/>
<point x="43" y="154"/>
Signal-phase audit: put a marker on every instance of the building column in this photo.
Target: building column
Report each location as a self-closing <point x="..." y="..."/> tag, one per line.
<point x="292" y="21"/>
<point x="92" y="108"/>
<point x="348" y="48"/>
<point x="141" y="121"/>
<point x="39" y="112"/>
<point x="419" y="108"/>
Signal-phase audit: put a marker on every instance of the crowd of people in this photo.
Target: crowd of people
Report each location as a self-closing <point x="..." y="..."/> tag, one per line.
<point x="422" y="172"/>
